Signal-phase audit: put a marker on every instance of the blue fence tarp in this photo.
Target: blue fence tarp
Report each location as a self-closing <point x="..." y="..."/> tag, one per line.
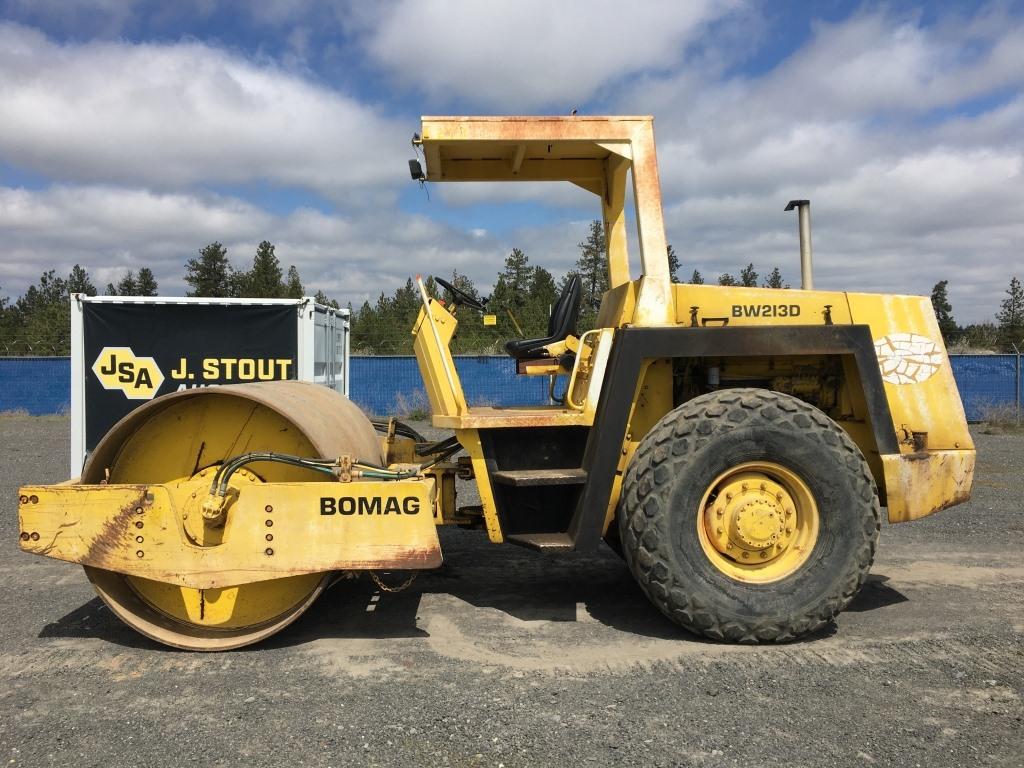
<point x="386" y="385"/>
<point x="37" y="385"/>
<point x="987" y="383"/>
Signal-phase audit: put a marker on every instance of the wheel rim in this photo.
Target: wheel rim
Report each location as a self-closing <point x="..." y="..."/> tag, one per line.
<point x="758" y="522"/>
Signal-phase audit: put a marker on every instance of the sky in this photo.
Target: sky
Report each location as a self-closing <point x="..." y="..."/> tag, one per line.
<point x="134" y="133"/>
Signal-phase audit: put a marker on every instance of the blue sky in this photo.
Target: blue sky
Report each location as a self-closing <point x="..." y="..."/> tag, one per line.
<point x="133" y="133"/>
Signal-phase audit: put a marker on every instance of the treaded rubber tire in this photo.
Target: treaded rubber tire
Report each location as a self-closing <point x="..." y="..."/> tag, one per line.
<point x="665" y="483"/>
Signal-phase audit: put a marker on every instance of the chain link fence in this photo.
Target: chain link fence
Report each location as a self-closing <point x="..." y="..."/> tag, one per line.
<point x="990" y="385"/>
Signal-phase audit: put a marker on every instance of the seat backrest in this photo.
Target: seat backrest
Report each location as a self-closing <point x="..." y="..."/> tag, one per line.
<point x="566" y="310"/>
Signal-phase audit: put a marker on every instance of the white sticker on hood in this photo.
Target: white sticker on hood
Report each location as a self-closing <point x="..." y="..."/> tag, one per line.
<point x="907" y="358"/>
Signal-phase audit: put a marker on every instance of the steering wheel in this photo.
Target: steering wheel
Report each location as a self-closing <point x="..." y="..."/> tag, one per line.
<point x="459" y="295"/>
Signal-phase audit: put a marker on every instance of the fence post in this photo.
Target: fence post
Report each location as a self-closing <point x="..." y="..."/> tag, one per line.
<point x="1017" y="381"/>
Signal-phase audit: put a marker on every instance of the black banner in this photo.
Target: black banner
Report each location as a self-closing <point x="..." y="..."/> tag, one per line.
<point x="135" y="352"/>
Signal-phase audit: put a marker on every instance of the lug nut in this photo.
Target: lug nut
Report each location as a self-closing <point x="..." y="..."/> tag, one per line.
<point x="746" y="555"/>
<point x="763" y="486"/>
<point x="720" y="531"/>
<point x="778" y="495"/>
<point x="719" y="511"/>
<point x="789" y="529"/>
<point x="764" y="555"/>
<point x="743" y="486"/>
<point x="728" y="497"/>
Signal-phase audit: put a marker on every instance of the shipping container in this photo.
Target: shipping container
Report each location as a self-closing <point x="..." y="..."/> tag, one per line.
<point x="126" y="350"/>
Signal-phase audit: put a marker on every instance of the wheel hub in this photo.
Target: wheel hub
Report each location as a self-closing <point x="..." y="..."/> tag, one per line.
<point x="750" y="519"/>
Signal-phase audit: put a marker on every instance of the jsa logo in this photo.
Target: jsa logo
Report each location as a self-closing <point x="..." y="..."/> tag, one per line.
<point x="118" y="368"/>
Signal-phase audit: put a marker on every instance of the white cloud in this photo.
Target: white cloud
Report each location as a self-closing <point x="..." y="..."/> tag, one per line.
<point x="906" y="136"/>
<point x="109" y="230"/>
<point x="181" y="114"/>
<point x="528" y="54"/>
<point x="903" y="196"/>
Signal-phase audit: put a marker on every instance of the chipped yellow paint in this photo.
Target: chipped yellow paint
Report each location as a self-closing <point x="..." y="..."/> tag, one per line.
<point x="139" y="530"/>
<point x="470" y="440"/>
<point x="918" y="484"/>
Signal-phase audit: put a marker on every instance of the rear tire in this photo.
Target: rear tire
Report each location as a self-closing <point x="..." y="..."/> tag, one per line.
<point x="802" y="510"/>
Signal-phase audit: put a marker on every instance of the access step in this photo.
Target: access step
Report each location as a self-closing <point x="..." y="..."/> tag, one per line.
<point x="543" y="542"/>
<point x="524" y="477"/>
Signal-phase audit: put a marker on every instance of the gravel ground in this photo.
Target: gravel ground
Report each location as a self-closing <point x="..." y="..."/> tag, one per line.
<point x="508" y="658"/>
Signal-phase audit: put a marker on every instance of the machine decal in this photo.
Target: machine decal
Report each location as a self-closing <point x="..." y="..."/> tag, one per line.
<point x="765" y="310"/>
<point x="118" y="368"/>
<point x="907" y="358"/>
<point x="373" y="505"/>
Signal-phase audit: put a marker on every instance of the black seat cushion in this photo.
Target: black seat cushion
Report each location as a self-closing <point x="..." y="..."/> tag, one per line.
<point x="563" y="320"/>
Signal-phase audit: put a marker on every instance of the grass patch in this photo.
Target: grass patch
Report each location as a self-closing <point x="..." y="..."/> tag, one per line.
<point x="414" y="406"/>
<point x="1001" y="420"/>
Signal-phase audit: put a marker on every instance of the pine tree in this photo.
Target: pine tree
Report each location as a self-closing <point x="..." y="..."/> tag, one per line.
<point x="673" y="264"/>
<point x="512" y="293"/>
<point x="944" y="311"/>
<point x="696" y="278"/>
<point x="775" y="280"/>
<point x="128" y="286"/>
<point x="79" y="282"/>
<point x="293" y="285"/>
<point x="543" y="295"/>
<point x="592" y="266"/>
<point x="145" y="283"/>
<point x="727" y="279"/>
<point x="264" y="279"/>
<point x="748" y="277"/>
<point x="44" y="312"/>
<point x="1011" y="316"/>
<point x="210" y="275"/>
<point x="321" y="298"/>
<point x="512" y="288"/>
<point x="362" y="326"/>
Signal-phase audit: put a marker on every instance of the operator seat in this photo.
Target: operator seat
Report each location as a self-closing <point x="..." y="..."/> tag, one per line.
<point x="562" y="323"/>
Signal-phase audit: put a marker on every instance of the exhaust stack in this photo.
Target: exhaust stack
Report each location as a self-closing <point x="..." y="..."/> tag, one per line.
<point x="804" y="212"/>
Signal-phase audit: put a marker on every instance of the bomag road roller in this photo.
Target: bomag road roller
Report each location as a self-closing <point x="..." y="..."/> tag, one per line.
<point x="735" y="445"/>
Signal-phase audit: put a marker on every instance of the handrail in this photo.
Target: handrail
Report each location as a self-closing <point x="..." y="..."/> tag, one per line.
<point x="575" y="369"/>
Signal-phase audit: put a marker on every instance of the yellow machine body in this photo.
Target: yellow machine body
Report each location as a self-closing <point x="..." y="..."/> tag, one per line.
<point x="209" y="572"/>
<point x="285" y="529"/>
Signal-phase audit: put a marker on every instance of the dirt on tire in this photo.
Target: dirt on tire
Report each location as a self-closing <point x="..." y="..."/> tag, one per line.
<point x="661" y="501"/>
